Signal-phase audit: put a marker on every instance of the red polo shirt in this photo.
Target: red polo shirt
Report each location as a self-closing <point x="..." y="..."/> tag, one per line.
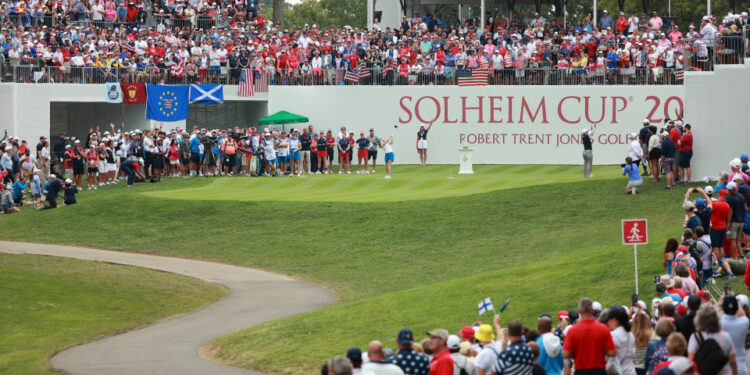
<point x="588" y="342"/>
<point x="719" y="213"/>
<point x="442" y="364"/>
<point x="686" y="142"/>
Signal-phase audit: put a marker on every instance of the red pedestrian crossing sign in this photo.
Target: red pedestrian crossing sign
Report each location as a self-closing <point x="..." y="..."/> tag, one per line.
<point x="634" y="232"/>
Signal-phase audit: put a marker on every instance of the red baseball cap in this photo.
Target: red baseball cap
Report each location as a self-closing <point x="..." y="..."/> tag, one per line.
<point x="467" y="332"/>
<point x="702" y="293"/>
<point x="722" y="192"/>
<point x="562" y="314"/>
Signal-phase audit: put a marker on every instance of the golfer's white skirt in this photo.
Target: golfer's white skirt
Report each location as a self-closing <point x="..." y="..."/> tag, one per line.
<point x="422" y="144"/>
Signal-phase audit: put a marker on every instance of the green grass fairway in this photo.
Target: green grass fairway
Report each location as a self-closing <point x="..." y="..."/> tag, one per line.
<point x="420" y="250"/>
<point x="49" y="304"/>
<point x="411" y="182"/>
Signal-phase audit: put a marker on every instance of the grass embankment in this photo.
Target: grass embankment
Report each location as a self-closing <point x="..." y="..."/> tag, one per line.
<point x="49" y="304"/>
<point x="420" y="250"/>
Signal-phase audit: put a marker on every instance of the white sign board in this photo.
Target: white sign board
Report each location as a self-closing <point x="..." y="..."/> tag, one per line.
<point x="503" y="124"/>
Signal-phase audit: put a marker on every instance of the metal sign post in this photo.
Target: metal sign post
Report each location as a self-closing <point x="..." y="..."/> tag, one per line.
<point x="635" y="232"/>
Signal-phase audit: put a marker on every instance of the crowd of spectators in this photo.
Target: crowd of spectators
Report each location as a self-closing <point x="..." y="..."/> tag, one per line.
<point x="695" y="334"/>
<point x="107" y="157"/>
<point x="210" y="41"/>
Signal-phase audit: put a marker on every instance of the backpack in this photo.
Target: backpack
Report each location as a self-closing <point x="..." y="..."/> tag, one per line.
<point x="696" y="254"/>
<point x="709" y="357"/>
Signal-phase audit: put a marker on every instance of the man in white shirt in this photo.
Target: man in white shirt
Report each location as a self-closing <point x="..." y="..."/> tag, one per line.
<point x="377" y="364"/>
<point x="632" y="23"/>
<point x="490" y="348"/>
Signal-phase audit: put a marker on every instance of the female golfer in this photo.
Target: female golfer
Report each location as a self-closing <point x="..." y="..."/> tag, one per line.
<point x="388" y="149"/>
<point x="422" y="143"/>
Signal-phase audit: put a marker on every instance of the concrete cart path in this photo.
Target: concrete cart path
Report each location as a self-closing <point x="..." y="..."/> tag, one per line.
<point x="171" y="346"/>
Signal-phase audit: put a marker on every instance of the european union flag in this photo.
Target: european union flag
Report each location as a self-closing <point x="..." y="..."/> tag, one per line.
<point x="167" y="103"/>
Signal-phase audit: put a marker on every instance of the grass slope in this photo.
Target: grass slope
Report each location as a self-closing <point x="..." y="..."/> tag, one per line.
<point x="539" y="234"/>
<point x="53" y="303"/>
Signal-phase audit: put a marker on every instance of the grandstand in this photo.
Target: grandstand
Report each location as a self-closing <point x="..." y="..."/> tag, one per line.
<point x="57" y="58"/>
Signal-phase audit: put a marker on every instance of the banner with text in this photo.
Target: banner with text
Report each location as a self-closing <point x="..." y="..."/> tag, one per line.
<point x="503" y="124"/>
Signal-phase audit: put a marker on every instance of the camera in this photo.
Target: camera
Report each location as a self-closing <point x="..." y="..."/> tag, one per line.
<point x="657" y="278"/>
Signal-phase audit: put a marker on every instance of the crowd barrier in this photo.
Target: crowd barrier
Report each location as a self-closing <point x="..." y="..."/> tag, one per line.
<point x="326" y="77"/>
<point x="90" y="75"/>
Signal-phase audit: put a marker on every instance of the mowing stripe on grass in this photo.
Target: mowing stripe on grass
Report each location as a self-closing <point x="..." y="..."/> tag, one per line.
<point x="410" y="182"/>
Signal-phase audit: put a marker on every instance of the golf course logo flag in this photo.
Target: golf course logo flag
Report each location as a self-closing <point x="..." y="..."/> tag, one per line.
<point x="167" y="103"/>
<point x="485" y="305"/>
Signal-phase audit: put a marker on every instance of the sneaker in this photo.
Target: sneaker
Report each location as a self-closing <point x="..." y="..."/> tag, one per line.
<point x="318" y="172"/>
<point x="341" y="172"/>
<point x="359" y="172"/>
<point x="373" y="171"/>
<point x="348" y="172"/>
<point x="387" y="177"/>
<point x="95" y="188"/>
<point x="635" y="191"/>
<point x="668" y="187"/>
<point x="128" y="185"/>
<point x="729" y="277"/>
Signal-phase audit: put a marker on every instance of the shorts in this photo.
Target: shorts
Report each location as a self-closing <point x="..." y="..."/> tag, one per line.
<point x="102" y="167"/>
<point x="283" y="159"/>
<point x="666" y="165"/>
<point x="362" y="153"/>
<point x="230" y="160"/>
<point x="77" y="168"/>
<point x="330" y="154"/>
<point x="632" y="184"/>
<point x="654" y="154"/>
<point x="93" y="169"/>
<point x="389" y="156"/>
<point x="735" y="230"/>
<point x="344" y="155"/>
<point x="184" y="160"/>
<point x="684" y="161"/>
<point x="174" y="162"/>
<point x="195" y="158"/>
<point x="322" y="154"/>
<point x="214" y="70"/>
<point x="717" y="238"/>
<point x="372" y="154"/>
<point x="111" y="167"/>
<point x="422" y="144"/>
<point x="294" y="155"/>
<point x="158" y="162"/>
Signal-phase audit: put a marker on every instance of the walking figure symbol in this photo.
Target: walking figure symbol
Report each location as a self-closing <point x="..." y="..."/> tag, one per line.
<point x="635" y="233"/>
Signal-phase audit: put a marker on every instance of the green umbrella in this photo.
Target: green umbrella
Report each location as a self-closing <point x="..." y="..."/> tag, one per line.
<point x="282" y="117"/>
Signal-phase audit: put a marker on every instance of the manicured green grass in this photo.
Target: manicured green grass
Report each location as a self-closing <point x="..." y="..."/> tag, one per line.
<point x="422" y="256"/>
<point x="411" y="182"/>
<point x="49" y="304"/>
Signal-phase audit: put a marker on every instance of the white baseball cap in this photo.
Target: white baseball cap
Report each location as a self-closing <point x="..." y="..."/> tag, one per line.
<point x="708" y="190"/>
<point x="52" y="176"/>
<point x="731" y="186"/>
<point x="735" y="163"/>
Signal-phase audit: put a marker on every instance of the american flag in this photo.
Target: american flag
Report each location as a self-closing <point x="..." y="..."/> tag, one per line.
<point x="472" y="77"/>
<point x="246" y="83"/>
<point x="363" y="72"/>
<point x="177" y="69"/>
<point x="359" y="73"/>
<point x="680" y="74"/>
<point x="261" y="84"/>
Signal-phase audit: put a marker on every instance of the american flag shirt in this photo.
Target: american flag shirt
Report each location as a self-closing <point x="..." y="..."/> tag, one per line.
<point x="411" y="362"/>
<point x="517" y="359"/>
